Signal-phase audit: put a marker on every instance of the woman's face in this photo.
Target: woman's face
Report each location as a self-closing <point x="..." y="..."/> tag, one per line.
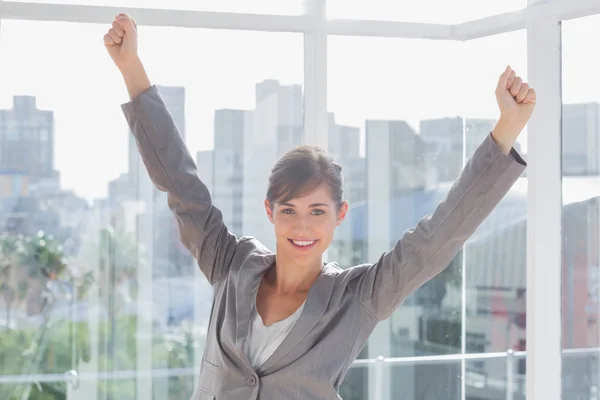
<point x="304" y="226"/>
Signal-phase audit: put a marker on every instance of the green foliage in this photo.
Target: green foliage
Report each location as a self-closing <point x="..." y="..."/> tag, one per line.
<point x="16" y="346"/>
<point x="27" y="265"/>
<point x="43" y="255"/>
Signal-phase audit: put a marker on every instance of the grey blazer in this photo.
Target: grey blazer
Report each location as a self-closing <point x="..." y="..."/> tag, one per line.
<point x="343" y="306"/>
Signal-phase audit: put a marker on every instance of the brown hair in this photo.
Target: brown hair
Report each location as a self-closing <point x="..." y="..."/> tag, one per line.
<point x="303" y="170"/>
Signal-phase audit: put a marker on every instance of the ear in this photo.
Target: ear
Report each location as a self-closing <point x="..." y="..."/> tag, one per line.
<point x="269" y="211"/>
<point x="342" y="213"/>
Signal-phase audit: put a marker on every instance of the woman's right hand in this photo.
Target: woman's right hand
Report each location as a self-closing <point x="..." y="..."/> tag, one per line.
<point x="121" y="42"/>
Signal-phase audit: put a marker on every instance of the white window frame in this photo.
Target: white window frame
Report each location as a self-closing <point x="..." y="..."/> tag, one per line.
<point x="541" y="19"/>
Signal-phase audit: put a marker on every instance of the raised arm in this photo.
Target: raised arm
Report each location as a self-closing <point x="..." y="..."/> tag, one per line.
<point x="167" y="159"/>
<point x="424" y="251"/>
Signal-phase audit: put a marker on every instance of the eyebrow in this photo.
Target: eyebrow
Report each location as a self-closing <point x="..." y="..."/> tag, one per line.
<point x="312" y="205"/>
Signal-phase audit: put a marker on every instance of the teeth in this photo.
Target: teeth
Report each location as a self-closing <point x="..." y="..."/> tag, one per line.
<point x="303" y="243"/>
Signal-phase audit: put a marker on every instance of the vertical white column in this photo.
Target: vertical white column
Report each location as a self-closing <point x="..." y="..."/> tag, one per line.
<point x="315" y="77"/>
<point x="316" y="123"/>
<point x="544" y="213"/>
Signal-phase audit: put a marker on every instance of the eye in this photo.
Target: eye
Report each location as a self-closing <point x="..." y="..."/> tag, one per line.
<point x="287" y="211"/>
<point x="318" y="212"/>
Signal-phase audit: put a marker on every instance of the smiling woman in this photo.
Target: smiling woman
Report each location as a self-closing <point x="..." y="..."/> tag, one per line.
<point x="251" y="282"/>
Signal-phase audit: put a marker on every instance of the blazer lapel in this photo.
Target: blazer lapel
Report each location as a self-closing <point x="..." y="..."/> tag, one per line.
<point x="314" y="308"/>
<point x="248" y="280"/>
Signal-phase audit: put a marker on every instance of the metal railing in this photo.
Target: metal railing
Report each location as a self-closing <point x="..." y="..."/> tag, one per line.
<point x="514" y="383"/>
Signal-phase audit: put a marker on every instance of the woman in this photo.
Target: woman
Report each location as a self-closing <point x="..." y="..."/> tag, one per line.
<point x="285" y="325"/>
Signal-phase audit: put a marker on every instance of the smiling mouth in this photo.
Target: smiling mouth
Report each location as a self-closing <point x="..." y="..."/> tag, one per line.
<point x="303" y="244"/>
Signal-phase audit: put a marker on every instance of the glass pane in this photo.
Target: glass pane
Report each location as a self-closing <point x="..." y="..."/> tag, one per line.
<point x="402" y="121"/>
<point x="355" y="385"/>
<point x="434" y="380"/>
<point x="427" y="381"/>
<point x="487" y="378"/>
<point x="581" y="209"/>
<point x="431" y="11"/>
<point x="272" y="7"/>
<point x="108" y="290"/>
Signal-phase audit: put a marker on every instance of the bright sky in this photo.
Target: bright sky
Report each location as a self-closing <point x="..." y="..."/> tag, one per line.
<point x="66" y="67"/>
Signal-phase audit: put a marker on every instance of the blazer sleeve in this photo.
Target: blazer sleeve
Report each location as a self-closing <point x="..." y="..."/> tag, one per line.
<point x="172" y="170"/>
<point x="427" y="249"/>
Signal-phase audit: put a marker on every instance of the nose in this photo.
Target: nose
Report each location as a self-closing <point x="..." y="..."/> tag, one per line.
<point x="302" y="225"/>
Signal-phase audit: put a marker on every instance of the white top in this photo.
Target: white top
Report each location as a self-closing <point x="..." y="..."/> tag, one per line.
<point x="262" y="341"/>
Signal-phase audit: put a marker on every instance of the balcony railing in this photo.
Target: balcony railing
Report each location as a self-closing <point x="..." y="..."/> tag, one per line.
<point x="513" y="384"/>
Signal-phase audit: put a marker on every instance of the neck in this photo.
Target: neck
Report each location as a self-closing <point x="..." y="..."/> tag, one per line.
<point x="290" y="277"/>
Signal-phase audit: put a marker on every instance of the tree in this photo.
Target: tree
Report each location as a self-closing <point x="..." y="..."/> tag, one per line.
<point x="8" y="246"/>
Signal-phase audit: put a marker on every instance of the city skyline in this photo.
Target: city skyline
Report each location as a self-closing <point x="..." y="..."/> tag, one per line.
<point x="86" y="93"/>
<point x="173" y="91"/>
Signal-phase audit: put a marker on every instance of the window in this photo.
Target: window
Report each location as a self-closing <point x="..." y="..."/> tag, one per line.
<point x="127" y="298"/>
<point x="94" y="279"/>
<point x="413" y="123"/>
<point x="581" y="209"/>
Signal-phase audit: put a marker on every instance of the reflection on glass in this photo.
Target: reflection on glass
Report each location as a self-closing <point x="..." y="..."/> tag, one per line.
<point x="581" y="210"/>
<point x="92" y="275"/>
<point x="403" y="128"/>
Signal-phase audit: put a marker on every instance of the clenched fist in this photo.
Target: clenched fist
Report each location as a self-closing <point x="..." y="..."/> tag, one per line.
<point x="122" y="44"/>
<point x="516" y="101"/>
<point x="121" y="41"/>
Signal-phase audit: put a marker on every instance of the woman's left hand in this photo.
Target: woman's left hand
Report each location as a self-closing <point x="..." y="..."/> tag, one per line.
<point x="516" y="101"/>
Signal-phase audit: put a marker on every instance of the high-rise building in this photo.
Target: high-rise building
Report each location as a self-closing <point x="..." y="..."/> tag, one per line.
<point x="344" y="141"/>
<point x="411" y="167"/>
<point x="27" y="140"/>
<point x="344" y="147"/>
<point x="450" y="142"/>
<point x="444" y="138"/>
<point x="27" y="168"/>
<point x="581" y="146"/>
<point x="228" y="158"/>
